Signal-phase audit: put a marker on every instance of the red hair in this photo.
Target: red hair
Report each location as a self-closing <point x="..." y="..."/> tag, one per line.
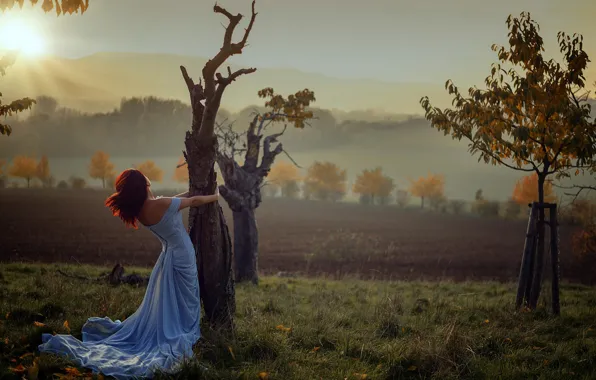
<point x="126" y="203"/>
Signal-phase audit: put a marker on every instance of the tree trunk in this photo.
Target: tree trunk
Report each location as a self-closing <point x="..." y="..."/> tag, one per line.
<point x="246" y="245"/>
<point x="539" y="269"/>
<point x="28" y="182"/>
<point x="210" y="235"/>
<point x="103" y="180"/>
<point x="421" y="202"/>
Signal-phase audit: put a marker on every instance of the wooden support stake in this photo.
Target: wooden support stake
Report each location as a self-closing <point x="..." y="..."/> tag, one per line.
<point x="554" y="251"/>
<point x="527" y="263"/>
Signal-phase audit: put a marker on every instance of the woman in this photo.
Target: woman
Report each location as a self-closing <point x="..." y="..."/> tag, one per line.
<point x="162" y="331"/>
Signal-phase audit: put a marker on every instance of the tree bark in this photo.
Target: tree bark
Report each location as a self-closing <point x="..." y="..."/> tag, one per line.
<point x="246" y="245"/>
<point x="210" y="236"/>
<point x="539" y="269"/>
<point x="207" y="225"/>
<point x="242" y="192"/>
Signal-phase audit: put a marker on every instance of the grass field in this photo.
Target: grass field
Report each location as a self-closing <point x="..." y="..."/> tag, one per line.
<point x="316" y="329"/>
<point x="305" y="237"/>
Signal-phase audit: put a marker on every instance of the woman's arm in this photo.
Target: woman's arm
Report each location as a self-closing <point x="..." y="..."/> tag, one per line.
<point x="182" y="195"/>
<point x="198" y="200"/>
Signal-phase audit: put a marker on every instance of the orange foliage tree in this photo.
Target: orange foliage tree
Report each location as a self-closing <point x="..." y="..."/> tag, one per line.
<point x="373" y="186"/>
<point x="325" y="181"/>
<point x="181" y="171"/>
<point x="526" y="190"/>
<point x="533" y="115"/>
<point x="429" y="187"/>
<point x="43" y="171"/>
<point x="285" y="176"/>
<point x="24" y="167"/>
<point x="101" y="167"/>
<point x="61" y="7"/>
<point x="150" y="170"/>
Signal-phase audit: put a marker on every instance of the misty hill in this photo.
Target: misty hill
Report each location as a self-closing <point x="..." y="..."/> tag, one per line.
<point x="99" y="81"/>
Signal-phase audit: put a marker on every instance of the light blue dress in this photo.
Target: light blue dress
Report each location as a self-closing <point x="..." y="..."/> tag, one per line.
<point x="161" y="332"/>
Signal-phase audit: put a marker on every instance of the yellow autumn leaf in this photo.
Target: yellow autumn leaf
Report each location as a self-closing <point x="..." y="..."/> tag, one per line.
<point x="486" y="321"/>
<point x="316" y="348"/>
<point x="38" y="324"/>
<point x="263" y="376"/>
<point x="33" y="370"/>
<point x="231" y="352"/>
<point x="66" y="326"/>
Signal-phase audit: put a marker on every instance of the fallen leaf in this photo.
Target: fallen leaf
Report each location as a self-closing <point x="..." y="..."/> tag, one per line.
<point x="33" y="371"/>
<point x="412" y="368"/>
<point x="231" y="352"/>
<point x="508" y="340"/>
<point x="38" y="324"/>
<point x="25" y="355"/>
<point x="317" y="348"/>
<point x="17" y="369"/>
<point x="72" y="371"/>
<point x="486" y="321"/>
<point x="263" y="375"/>
<point x="66" y="326"/>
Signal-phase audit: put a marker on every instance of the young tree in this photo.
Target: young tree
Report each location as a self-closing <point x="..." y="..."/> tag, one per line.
<point x="23" y="167"/>
<point x="531" y="116"/>
<point x="242" y="188"/>
<point x="181" y="172"/>
<point x="43" y="171"/>
<point x="208" y="229"/>
<point x="150" y="170"/>
<point x="526" y="190"/>
<point x="325" y="181"/>
<point x="429" y="187"/>
<point x="285" y="176"/>
<point x="101" y="167"/>
<point x="61" y="7"/>
<point x="373" y="186"/>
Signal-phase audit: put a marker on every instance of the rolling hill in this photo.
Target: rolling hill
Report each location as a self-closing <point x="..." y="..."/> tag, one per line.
<point x="99" y="81"/>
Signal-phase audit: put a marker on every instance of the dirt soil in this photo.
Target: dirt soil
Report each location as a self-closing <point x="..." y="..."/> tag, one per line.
<point x="306" y="237"/>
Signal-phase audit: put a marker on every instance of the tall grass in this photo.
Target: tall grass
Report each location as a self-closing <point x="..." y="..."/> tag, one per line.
<point x="316" y="329"/>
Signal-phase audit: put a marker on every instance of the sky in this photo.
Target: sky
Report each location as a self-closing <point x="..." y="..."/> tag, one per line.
<point x="388" y="40"/>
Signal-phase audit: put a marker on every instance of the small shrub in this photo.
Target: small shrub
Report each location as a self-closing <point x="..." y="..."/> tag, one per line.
<point x="402" y="198"/>
<point x="78" y="183"/>
<point x="486" y="208"/>
<point x="512" y="209"/>
<point x="456" y="206"/>
<point x="62" y="185"/>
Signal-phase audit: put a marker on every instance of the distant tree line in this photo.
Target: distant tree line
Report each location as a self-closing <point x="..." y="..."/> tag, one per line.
<point x="151" y="124"/>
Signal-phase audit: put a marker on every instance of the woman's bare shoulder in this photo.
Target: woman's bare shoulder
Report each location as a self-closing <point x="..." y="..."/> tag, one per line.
<point x="153" y="210"/>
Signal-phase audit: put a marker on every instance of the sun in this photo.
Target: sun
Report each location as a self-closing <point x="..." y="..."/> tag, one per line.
<point x="22" y="36"/>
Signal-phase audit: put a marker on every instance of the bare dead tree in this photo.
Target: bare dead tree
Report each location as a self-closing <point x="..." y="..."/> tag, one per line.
<point x="242" y="189"/>
<point x="208" y="229"/>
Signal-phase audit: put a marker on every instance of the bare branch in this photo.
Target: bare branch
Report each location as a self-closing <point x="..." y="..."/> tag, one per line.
<point x="228" y="48"/>
<point x="291" y="159"/>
